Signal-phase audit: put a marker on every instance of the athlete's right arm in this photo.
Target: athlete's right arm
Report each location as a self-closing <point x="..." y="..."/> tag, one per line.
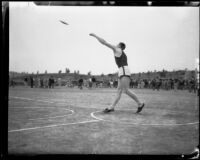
<point x="102" y="41"/>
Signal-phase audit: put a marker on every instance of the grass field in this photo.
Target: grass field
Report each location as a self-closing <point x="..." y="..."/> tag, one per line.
<point x="70" y="121"/>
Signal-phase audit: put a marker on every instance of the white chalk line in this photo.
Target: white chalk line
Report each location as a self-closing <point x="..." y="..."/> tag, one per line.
<point x="24" y="98"/>
<point x="54" y="116"/>
<point x="143" y="124"/>
<point x="41" y="107"/>
<point x="51" y="126"/>
<point x="99" y="119"/>
<point x="58" y="103"/>
<point x="64" y="103"/>
<point x="45" y="116"/>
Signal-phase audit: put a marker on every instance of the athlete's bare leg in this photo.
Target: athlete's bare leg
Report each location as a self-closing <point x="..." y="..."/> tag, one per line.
<point x="117" y="98"/>
<point x="125" y="81"/>
<point x="123" y="85"/>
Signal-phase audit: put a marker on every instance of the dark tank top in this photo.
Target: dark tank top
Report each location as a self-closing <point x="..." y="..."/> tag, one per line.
<point x="122" y="60"/>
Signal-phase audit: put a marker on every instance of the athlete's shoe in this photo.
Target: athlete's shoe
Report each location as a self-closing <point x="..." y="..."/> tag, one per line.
<point x="107" y="110"/>
<point x="140" y="108"/>
<point x="193" y="155"/>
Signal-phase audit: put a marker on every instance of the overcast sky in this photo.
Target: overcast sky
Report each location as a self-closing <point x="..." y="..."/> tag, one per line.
<point x="156" y="38"/>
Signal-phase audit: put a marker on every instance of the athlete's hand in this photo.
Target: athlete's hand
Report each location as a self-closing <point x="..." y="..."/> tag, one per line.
<point x="92" y="34"/>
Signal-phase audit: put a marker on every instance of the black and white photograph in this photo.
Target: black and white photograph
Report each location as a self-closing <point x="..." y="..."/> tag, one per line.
<point x="88" y="78"/>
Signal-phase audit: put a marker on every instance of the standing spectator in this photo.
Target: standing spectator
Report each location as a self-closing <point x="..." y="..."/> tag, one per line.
<point x="192" y="85"/>
<point x="139" y="84"/>
<point x="38" y="82"/>
<point x="46" y="82"/>
<point x="131" y="84"/>
<point x="41" y="82"/>
<point x="85" y="82"/>
<point x="157" y="84"/>
<point x="12" y="83"/>
<point x="52" y="82"/>
<point x="80" y="83"/>
<point x="115" y="83"/>
<point x="26" y="81"/>
<point x="111" y="83"/>
<point x="153" y="84"/>
<point x="146" y="83"/>
<point x="32" y="81"/>
<point x="171" y="84"/>
<point x="185" y="84"/>
<point x="175" y="84"/>
<point x="142" y="84"/>
<point x="90" y="83"/>
<point x="166" y="84"/>
<point x="93" y="81"/>
<point x="149" y="83"/>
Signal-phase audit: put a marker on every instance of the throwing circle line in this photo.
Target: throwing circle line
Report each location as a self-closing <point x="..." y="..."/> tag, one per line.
<point x="72" y="112"/>
<point x="51" y="126"/>
<point x="45" y="117"/>
<point x="143" y="124"/>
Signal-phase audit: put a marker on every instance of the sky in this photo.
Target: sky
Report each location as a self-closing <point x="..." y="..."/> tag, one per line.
<point x="156" y="38"/>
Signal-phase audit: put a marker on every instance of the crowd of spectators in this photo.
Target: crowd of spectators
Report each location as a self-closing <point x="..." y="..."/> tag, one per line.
<point x="166" y="84"/>
<point x="40" y="82"/>
<point x="155" y="84"/>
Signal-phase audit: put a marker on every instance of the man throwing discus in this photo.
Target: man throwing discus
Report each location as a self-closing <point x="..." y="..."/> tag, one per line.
<point x="123" y="74"/>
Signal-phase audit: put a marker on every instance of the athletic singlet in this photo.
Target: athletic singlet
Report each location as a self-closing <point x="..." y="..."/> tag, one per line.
<point x="122" y="60"/>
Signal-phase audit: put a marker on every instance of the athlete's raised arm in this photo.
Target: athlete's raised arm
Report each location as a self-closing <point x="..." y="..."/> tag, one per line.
<point x="102" y="41"/>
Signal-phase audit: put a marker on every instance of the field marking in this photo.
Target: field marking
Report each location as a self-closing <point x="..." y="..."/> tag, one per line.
<point x="99" y="119"/>
<point x="30" y="99"/>
<point x="51" y="126"/>
<point x="153" y="124"/>
<point x="72" y="112"/>
<point x="37" y="100"/>
<point x="64" y="103"/>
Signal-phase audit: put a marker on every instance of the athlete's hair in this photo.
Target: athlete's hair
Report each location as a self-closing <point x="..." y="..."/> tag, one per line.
<point x="122" y="45"/>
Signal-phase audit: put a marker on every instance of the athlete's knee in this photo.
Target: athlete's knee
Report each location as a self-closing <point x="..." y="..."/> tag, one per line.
<point x="125" y="90"/>
<point x="119" y="91"/>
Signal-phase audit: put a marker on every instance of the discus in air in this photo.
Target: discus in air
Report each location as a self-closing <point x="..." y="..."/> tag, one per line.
<point x="64" y="22"/>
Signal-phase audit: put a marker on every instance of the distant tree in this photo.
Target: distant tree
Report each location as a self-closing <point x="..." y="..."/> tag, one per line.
<point x="89" y="73"/>
<point x="37" y="72"/>
<point x="78" y="72"/>
<point x="163" y="73"/>
<point x="59" y="72"/>
<point x="67" y="70"/>
<point x="45" y="71"/>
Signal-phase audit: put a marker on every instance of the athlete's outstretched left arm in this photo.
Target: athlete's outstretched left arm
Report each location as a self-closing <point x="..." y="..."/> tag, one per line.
<point x="102" y="41"/>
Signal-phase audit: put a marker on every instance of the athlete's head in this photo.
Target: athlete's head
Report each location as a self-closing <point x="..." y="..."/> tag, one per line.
<point x="121" y="45"/>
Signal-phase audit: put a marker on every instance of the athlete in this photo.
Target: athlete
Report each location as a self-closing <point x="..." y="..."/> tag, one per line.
<point x="123" y="74"/>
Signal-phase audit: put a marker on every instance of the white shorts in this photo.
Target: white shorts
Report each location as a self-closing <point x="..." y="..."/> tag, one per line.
<point x="124" y="71"/>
